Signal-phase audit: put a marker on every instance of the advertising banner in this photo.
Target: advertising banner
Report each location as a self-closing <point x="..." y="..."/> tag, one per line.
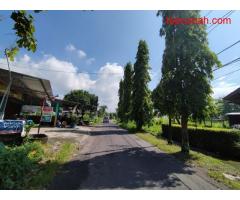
<point x="46" y="118"/>
<point x="36" y="110"/>
<point x="12" y="127"/>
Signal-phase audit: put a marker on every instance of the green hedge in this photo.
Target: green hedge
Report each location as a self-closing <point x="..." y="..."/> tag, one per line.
<point x="219" y="141"/>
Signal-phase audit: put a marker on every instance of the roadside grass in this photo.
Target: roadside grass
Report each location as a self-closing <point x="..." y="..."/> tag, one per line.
<point x="215" y="124"/>
<point x="130" y="126"/>
<point x="49" y="166"/>
<point x="31" y="165"/>
<point x="154" y="129"/>
<point x="190" y="125"/>
<point x="216" y="167"/>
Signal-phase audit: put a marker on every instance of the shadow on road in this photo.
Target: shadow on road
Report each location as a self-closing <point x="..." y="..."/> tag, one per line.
<point x="134" y="168"/>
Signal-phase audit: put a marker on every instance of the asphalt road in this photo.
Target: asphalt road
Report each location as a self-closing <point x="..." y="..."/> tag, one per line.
<point x="111" y="158"/>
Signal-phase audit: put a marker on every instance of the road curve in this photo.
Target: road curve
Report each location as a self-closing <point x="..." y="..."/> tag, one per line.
<point x="111" y="158"/>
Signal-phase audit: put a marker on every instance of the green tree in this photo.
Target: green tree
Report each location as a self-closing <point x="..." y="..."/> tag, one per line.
<point x="224" y="107"/>
<point x="120" y="101"/>
<point x="86" y="100"/>
<point x="102" y="110"/>
<point x="187" y="63"/>
<point x="142" y="109"/>
<point x="163" y="101"/>
<point x="24" y="29"/>
<point x="209" y="112"/>
<point x="127" y="92"/>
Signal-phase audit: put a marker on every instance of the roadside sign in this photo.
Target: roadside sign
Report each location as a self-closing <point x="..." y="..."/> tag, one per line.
<point x="12" y="127"/>
<point x="47" y="109"/>
<point x="46" y="118"/>
<point x="36" y="110"/>
<point x="31" y="110"/>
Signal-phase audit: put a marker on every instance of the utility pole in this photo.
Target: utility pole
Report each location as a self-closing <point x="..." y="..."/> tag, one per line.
<point x="7" y="92"/>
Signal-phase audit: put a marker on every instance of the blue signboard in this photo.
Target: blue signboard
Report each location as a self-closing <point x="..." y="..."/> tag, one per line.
<point x="12" y="127"/>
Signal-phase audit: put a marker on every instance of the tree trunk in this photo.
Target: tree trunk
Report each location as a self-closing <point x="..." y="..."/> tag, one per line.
<point x="169" y="130"/>
<point x="178" y="121"/>
<point x="139" y="125"/>
<point x="185" y="137"/>
<point x="204" y="122"/>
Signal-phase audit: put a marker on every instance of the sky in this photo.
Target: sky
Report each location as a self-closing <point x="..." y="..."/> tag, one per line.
<point x="88" y="50"/>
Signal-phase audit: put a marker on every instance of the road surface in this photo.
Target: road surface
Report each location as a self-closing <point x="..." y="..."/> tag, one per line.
<point x="111" y="158"/>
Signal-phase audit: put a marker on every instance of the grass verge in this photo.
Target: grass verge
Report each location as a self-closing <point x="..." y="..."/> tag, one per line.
<point x="216" y="167"/>
<point x="50" y="164"/>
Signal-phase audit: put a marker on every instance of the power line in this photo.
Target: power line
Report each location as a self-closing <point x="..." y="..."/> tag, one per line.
<point x="226" y="15"/>
<point x="96" y="73"/>
<point x="221" y="17"/>
<point x="229" y="63"/>
<point x="228" y="47"/>
<point x="226" y="74"/>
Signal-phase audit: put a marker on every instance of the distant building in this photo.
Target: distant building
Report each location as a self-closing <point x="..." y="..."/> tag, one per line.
<point x="234" y="97"/>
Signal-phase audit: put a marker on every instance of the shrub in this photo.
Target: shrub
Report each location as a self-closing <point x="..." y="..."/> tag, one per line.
<point x="17" y="164"/>
<point x="28" y="128"/>
<point x="130" y="126"/>
<point x="219" y="141"/>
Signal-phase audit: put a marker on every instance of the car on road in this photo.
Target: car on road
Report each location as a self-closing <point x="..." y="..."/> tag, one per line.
<point x="105" y="120"/>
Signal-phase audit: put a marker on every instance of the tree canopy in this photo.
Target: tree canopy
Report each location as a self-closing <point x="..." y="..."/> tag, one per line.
<point x="142" y="109"/>
<point x="224" y="107"/>
<point x="24" y="29"/>
<point x="86" y="100"/>
<point x="186" y="67"/>
<point x="102" y="110"/>
<point x="120" y="101"/>
<point x="125" y="94"/>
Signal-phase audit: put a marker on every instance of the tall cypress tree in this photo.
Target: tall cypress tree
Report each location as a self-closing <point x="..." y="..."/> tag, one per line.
<point x="142" y="105"/>
<point x="127" y="92"/>
<point x="187" y="67"/>
<point x="120" y="101"/>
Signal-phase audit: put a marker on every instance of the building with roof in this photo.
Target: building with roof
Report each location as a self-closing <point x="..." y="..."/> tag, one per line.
<point x="25" y="90"/>
<point x="234" y="97"/>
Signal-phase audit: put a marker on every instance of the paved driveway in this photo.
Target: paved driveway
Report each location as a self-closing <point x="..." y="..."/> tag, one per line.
<point x="111" y="158"/>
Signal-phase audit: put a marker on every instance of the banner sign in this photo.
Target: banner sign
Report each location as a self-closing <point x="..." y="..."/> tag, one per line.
<point x="46" y="118"/>
<point x="12" y="127"/>
<point x="31" y="110"/>
<point x="36" y="110"/>
<point x="47" y="109"/>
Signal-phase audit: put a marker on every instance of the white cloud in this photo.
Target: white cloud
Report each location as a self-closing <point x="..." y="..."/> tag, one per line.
<point x="105" y="85"/>
<point x="81" y="54"/>
<point x="70" y="47"/>
<point x="223" y="88"/>
<point x="90" y="61"/>
<point x="25" y="58"/>
<point x="221" y="78"/>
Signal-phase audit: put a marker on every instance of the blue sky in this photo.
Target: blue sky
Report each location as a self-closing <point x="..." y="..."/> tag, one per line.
<point x="104" y="41"/>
